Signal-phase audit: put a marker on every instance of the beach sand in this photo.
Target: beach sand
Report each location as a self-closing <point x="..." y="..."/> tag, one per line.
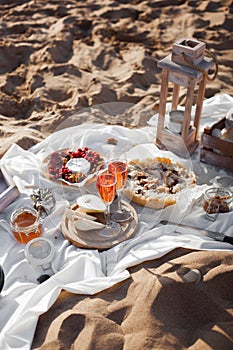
<point x="62" y="58"/>
<point x="160" y="307"/>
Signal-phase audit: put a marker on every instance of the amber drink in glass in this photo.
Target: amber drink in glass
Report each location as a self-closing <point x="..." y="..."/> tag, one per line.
<point x="25" y="224"/>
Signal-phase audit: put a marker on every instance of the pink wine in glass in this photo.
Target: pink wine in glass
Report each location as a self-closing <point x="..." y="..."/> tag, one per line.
<point x="119" y="166"/>
<point x="121" y="173"/>
<point x="106" y="185"/>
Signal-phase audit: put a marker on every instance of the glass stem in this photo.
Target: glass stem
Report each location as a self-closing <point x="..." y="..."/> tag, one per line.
<point x="119" y="202"/>
<point x="107" y="216"/>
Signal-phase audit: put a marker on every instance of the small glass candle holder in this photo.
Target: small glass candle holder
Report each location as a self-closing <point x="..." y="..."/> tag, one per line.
<point x="25" y="224"/>
<point x="176" y="118"/>
<point x="40" y="252"/>
<point x="216" y="200"/>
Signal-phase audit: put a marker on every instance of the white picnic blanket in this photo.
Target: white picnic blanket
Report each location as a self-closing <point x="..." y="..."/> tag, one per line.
<point x="84" y="271"/>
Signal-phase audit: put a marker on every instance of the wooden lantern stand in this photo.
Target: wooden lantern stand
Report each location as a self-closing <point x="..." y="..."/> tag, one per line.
<point x="186" y="66"/>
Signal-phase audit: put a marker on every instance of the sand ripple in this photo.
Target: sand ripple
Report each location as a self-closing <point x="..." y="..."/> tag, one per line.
<point x="58" y="58"/>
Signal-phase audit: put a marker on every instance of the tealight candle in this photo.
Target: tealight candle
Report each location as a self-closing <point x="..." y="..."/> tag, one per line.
<point x="78" y="165"/>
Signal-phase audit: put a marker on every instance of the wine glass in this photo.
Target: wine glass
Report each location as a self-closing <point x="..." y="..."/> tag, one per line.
<point x="106" y="184"/>
<point x="118" y="164"/>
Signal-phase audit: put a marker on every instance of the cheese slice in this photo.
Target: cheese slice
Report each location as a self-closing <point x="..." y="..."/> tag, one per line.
<point x="72" y="222"/>
<point x="81" y="214"/>
<point x="91" y="203"/>
<point x="86" y="225"/>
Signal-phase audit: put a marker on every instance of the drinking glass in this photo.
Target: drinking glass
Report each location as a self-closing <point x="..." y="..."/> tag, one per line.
<point x="26" y="224"/>
<point x="118" y="164"/>
<point x="106" y="184"/>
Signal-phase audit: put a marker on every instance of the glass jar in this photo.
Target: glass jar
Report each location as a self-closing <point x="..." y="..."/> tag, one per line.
<point x="176" y="118"/>
<point x="25" y="224"/>
<point x="40" y="252"/>
<point x="217" y="200"/>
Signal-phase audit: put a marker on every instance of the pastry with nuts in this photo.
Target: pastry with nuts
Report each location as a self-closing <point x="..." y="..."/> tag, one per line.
<point x="156" y="182"/>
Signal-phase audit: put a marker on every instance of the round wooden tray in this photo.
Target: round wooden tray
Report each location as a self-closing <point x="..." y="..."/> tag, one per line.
<point x="93" y="240"/>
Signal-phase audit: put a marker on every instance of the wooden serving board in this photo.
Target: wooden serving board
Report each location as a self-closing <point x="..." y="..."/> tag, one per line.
<point x="93" y="240"/>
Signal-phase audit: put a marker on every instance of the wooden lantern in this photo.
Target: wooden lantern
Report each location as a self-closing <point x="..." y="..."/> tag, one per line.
<point x="186" y="66"/>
